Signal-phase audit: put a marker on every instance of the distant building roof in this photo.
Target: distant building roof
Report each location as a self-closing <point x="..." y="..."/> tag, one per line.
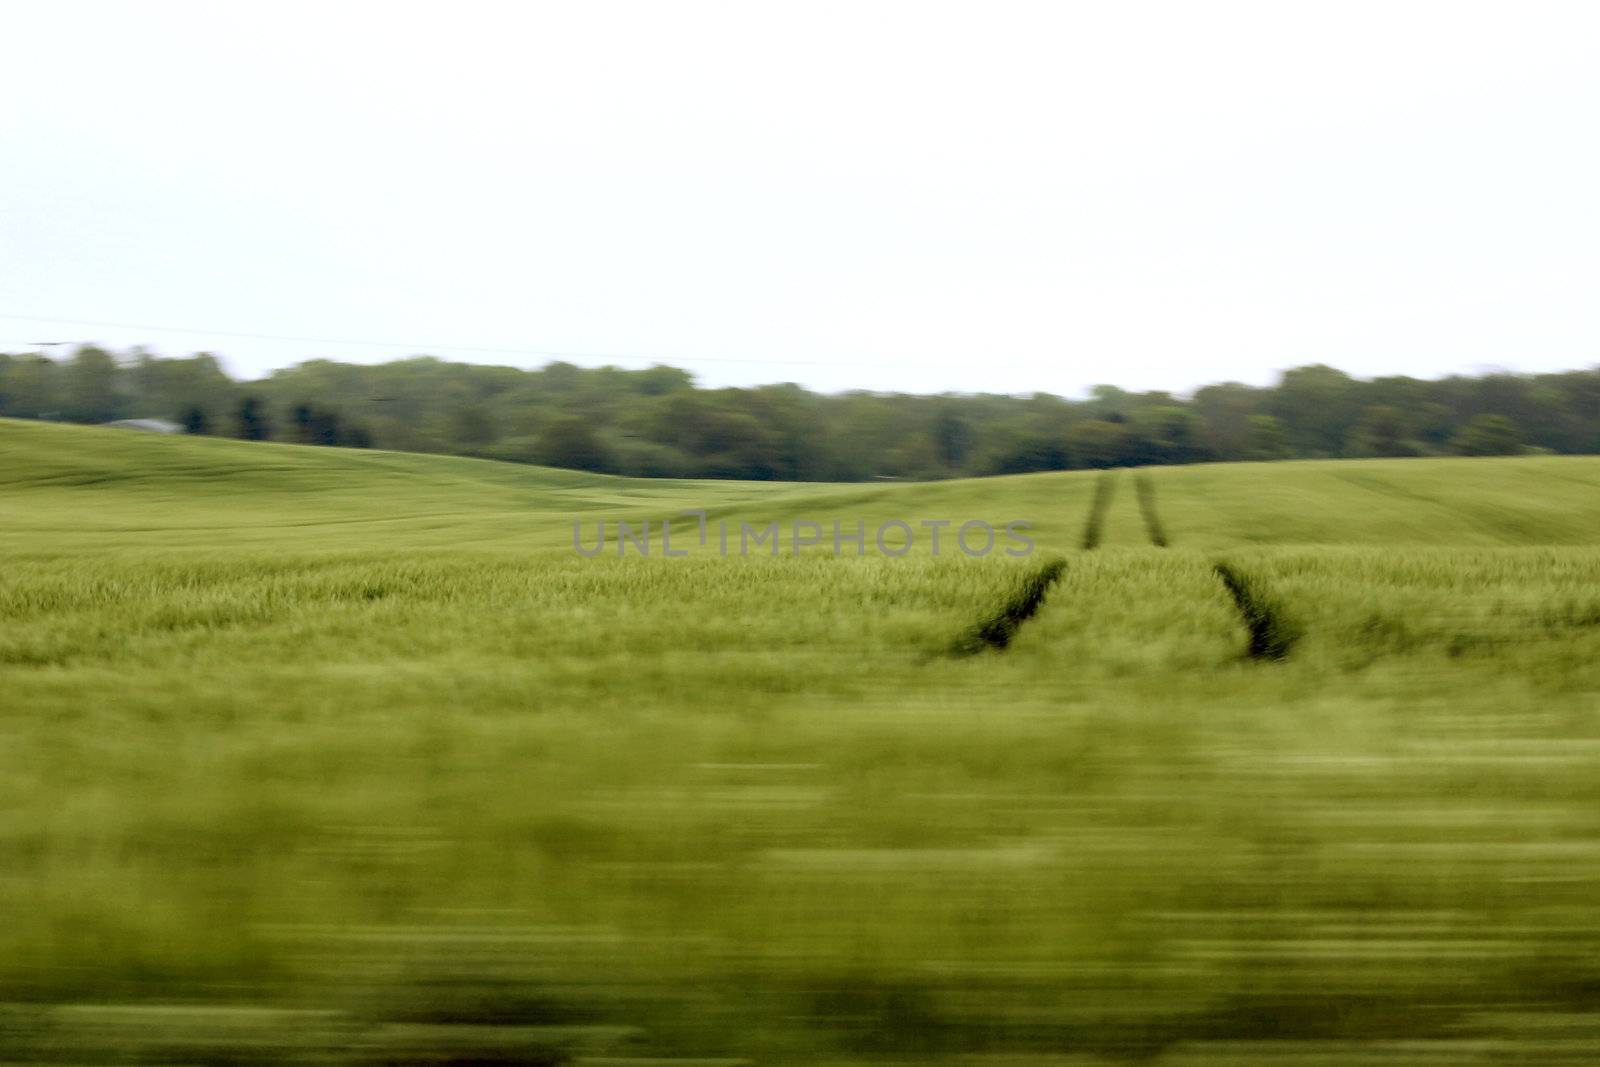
<point x="147" y="425"/>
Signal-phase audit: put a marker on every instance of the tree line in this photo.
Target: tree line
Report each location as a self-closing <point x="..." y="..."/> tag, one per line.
<point x="658" y="423"/>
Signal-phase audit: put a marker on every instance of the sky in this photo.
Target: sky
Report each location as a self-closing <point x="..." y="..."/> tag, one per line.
<point x="995" y="197"/>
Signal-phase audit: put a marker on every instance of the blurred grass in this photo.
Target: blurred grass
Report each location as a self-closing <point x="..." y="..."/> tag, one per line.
<point x="310" y="756"/>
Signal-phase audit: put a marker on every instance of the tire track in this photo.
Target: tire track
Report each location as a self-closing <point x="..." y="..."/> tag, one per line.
<point x="1145" y="488"/>
<point x="1272" y="633"/>
<point x="1105" y="488"/>
<point x="997" y="630"/>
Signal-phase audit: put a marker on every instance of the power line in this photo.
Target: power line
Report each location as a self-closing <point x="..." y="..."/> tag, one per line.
<point x="428" y="348"/>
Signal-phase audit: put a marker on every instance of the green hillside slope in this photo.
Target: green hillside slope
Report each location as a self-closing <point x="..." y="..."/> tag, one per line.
<point x="155" y="484"/>
<point x="178" y="491"/>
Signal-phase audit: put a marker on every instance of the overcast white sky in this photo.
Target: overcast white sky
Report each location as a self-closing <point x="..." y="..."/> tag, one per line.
<point x="997" y="197"/>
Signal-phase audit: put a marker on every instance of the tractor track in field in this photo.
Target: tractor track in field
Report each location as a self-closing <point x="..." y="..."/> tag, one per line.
<point x="997" y="630"/>
<point x="1272" y="633"/>
<point x="1145" y="488"/>
<point x="1105" y="487"/>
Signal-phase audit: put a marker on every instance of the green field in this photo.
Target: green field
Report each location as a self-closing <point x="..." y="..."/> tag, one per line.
<point x="325" y="756"/>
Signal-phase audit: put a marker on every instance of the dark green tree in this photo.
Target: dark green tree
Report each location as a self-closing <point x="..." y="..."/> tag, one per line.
<point x="571" y="442"/>
<point x="1097" y="443"/>
<point x="1317" y="406"/>
<point x="1224" y="412"/>
<point x="1267" y="439"/>
<point x="472" y="427"/>
<point x="1488" y="435"/>
<point x="1164" y="433"/>
<point x="1382" y="431"/>
<point x="952" y="435"/>
<point x="324" y="427"/>
<point x="355" y="435"/>
<point x="303" y="418"/>
<point x="194" y="420"/>
<point x="31" y="387"/>
<point x="252" y="419"/>
<point x="92" y="386"/>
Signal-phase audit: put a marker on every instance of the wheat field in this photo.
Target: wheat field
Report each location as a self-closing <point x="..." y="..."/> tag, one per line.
<point x="322" y="756"/>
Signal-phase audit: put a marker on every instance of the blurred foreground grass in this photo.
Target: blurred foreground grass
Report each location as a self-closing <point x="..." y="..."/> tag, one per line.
<point x="326" y="757"/>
